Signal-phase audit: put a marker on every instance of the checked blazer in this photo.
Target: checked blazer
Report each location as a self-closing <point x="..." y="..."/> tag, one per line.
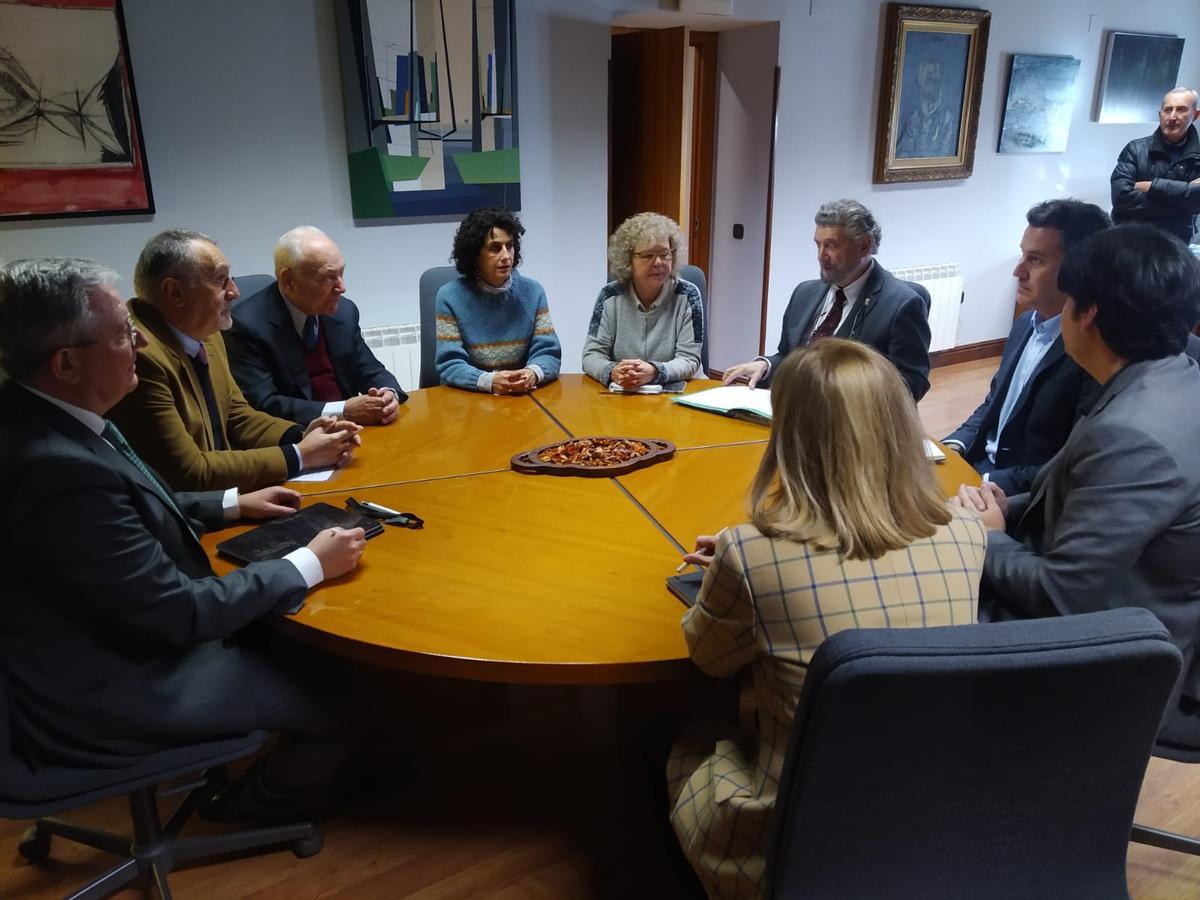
<point x="767" y="604"/>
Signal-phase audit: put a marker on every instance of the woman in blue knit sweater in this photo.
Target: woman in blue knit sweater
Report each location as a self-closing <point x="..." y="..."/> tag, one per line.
<point x="494" y="332"/>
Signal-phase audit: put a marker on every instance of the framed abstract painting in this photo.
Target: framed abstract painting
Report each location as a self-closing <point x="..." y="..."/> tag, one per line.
<point x="1041" y="98"/>
<point x="430" y="90"/>
<point x="929" y="100"/>
<point x="70" y="137"/>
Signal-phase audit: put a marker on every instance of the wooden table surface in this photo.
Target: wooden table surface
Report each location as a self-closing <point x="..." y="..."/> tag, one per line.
<point x="529" y="578"/>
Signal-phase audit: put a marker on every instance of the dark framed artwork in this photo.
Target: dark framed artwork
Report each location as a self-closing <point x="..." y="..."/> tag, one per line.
<point x="1041" y="98"/>
<point x="70" y="137"/>
<point x="933" y="62"/>
<point x="1138" y="70"/>
<point x="430" y="91"/>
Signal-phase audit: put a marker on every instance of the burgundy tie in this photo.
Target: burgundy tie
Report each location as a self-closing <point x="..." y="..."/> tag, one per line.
<point x="830" y="323"/>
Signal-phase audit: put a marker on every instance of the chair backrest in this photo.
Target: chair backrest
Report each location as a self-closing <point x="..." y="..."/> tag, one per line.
<point x="252" y="284"/>
<point x="695" y="275"/>
<point x="923" y="292"/>
<point x="431" y="282"/>
<point x="999" y="760"/>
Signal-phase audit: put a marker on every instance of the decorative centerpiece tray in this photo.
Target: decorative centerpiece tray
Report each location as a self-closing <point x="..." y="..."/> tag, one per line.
<point x="594" y="457"/>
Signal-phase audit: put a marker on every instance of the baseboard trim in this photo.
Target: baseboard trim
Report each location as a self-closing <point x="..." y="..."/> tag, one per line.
<point x="967" y="353"/>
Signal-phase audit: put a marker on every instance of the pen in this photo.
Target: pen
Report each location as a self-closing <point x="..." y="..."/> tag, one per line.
<point x="376" y="508"/>
<point x="683" y="565"/>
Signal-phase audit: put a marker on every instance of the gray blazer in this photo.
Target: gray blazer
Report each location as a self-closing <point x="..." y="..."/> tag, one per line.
<point x="891" y="315"/>
<point x="1114" y="518"/>
<point x="113" y="627"/>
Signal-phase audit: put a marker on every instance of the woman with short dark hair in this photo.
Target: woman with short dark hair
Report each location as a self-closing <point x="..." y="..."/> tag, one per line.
<point x="494" y="332"/>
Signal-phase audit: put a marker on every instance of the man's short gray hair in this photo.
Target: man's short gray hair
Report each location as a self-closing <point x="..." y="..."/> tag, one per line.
<point x="170" y="253"/>
<point x="289" y="249"/>
<point x="853" y="218"/>
<point x="1193" y="97"/>
<point x="44" y="306"/>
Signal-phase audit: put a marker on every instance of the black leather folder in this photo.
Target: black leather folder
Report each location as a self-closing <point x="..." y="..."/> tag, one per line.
<point x="281" y="536"/>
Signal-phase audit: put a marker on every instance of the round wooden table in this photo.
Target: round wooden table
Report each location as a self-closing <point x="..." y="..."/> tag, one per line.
<point x="530" y="578"/>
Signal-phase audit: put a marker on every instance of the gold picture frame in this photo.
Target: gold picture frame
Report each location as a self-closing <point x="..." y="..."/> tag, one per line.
<point x="933" y="61"/>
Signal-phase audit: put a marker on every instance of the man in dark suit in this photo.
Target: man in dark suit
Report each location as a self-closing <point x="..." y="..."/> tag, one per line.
<point x="1038" y="392"/>
<point x="295" y="347"/>
<point x="116" y="638"/>
<point x="856" y="298"/>
<point x="1114" y="518"/>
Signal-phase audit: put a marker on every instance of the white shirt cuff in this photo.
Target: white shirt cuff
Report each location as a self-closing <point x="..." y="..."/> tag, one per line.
<point x="229" y="505"/>
<point x="485" y="381"/>
<point x="958" y="445"/>
<point x="307" y="565"/>
<point x="537" y="370"/>
<point x="768" y="362"/>
<point x="299" y="458"/>
<point x="987" y="476"/>
<point x="333" y="408"/>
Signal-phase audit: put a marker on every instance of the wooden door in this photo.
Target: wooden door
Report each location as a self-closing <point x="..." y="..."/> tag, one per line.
<point x="645" y="131"/>
<point x="698" y="231"/>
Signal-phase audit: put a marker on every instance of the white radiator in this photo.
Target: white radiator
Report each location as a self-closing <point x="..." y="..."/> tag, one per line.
<point x="398" y="347"/>
<point x="945" y="286"/>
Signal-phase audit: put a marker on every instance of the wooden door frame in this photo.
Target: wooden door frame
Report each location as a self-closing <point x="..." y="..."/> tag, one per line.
<point x="698" y="232"/>
<point x="766" y="282"/>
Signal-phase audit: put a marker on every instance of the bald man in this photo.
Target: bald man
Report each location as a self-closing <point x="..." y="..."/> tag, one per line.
<point x="296" y="349"/>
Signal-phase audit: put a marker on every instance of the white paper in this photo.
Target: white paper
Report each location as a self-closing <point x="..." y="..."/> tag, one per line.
<point x="731" y="397"/>
<point x="933" y="451"/>
<point x="314" y="475"/>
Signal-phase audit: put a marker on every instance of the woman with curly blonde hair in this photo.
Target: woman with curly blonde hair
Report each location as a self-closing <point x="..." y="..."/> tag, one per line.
<point x="648" y="323"/>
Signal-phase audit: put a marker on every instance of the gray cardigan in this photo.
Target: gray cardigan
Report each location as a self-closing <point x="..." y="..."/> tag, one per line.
<point x="668" y="335"/>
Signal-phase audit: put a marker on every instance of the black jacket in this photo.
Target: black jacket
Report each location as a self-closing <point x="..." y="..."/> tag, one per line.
<point x="1172" y="201"/>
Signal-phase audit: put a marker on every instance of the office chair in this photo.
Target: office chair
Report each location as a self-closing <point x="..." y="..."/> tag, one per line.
<point x="695" y="275"/>
<point x="991" y="761"/>
<point x="40" y="792"/>
<point x="251" y="284"/>
<point x="431" y="281"/>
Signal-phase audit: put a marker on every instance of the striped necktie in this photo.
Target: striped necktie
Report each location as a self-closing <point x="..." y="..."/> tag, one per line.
<point x="830" y="323"/>
<point x="113" y="435"/>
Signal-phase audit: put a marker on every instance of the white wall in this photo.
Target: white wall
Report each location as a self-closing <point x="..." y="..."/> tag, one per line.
<point x="241" y="109"/>
<point x="745" y="82"/>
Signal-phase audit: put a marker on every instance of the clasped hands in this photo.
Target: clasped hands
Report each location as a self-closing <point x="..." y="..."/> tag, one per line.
<point x="519" y="381"/>
<point x="329" y="441"/>
<point x="378" y="406"/>
<point x="632" y="374"/>
<point x="987" y="501"/>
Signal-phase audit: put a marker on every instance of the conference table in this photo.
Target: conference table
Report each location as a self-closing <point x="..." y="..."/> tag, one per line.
<point x="523" y="578"/>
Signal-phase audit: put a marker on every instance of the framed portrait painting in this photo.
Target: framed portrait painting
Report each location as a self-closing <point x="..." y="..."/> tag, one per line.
<point x="70" y="139"/>
<point x="933" y="62"/>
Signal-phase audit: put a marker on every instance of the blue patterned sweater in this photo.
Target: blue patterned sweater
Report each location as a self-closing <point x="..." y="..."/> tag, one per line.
<point x="480" y="333"/>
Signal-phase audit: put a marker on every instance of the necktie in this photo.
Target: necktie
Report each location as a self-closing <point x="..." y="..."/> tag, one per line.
<point x="200" y="364"/>
<point x="830" y="323"/>
<point x="113" y="435"/>
<point x="310" y="332"/>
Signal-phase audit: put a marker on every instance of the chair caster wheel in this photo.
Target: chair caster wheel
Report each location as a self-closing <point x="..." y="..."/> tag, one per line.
<point x="309" y="846"/>
<point x="35" y="844"/>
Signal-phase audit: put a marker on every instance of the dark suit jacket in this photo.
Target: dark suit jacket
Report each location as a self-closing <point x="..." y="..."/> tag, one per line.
<point x="1057" y="393"/>
<point x="1114" y="518"/>
<point x="111" y="620"/>
<point x="267" y="356"/>
<point x="891" y="315"/>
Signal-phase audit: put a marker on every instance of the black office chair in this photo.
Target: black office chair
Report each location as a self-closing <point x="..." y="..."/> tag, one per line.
<point x="28" y="792"/>
<point x="999" y="760"/>
<point x="252" y="284"/>
<point x="695" y="275"/>
<point x="431" y="282"/>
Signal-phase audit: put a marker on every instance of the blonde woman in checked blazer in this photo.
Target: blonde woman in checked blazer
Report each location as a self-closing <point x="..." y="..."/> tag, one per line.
<point x="848" y="530"/>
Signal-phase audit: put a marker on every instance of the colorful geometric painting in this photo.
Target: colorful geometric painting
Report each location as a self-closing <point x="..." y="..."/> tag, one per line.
<point x="431" y="106"/>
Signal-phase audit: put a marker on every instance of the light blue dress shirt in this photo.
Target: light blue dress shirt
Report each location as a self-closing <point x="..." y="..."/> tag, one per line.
<point x="1045" y="332"/>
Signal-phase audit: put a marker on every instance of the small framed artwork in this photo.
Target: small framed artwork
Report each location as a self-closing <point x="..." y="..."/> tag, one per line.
<point x="1138" y="70"/>
<point x="933" y="60"/>
<point x="70" y="138"/>
<point x="1041" y="97"/>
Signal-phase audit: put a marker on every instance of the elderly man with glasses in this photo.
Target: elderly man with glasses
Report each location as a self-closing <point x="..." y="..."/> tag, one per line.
<point x="187" y="416"/>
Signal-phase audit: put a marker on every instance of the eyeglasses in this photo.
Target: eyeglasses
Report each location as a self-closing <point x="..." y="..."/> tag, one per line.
<point x="133" y="336"/>
<point x="650" y="256"/>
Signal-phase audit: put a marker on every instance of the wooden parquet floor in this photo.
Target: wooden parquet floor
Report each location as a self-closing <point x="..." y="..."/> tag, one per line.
<point x="532" y="793"/>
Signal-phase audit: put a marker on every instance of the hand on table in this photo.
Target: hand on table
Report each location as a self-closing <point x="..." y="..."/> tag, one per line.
<point x="338" y="550"/>
<point x="750" y="372"/>
<point x="268" y="503"/>
<point x="520" y="381"/>
<point x="631" y="374"/>
<point x="378" y="406"/>
<point x="329" y="442"/>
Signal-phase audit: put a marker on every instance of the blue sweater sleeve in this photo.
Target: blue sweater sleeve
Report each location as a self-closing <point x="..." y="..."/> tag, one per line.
<point x="453" y="362"/>
<point x="544" y="349"/>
